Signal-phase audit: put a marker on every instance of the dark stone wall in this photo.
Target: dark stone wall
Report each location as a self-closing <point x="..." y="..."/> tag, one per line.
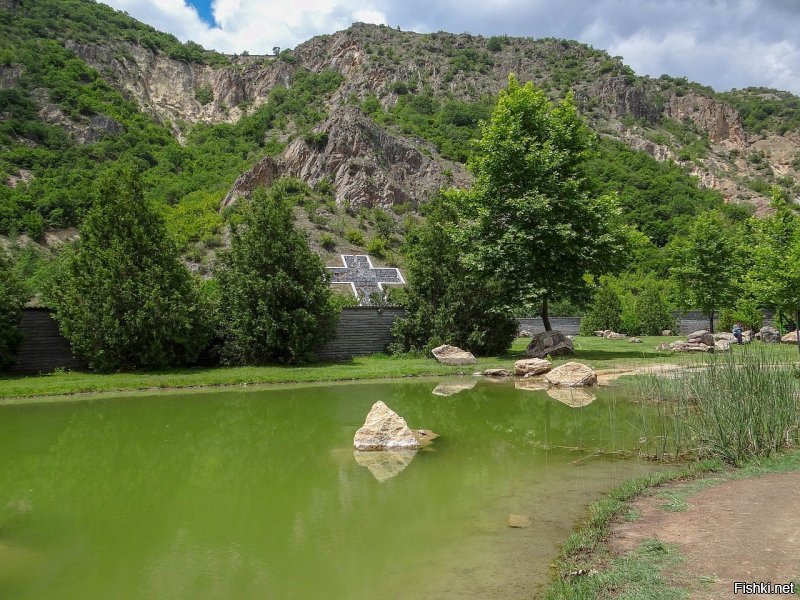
<point x="43" y="348"/>
<point x="566" y="325"/>
<point x="362" y="330"/>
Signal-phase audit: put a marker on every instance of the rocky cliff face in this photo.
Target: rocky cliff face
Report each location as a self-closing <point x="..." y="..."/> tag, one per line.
<point x="371" y="166"/>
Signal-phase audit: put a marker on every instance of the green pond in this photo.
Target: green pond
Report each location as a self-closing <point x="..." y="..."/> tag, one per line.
<point x="257" y="493"/>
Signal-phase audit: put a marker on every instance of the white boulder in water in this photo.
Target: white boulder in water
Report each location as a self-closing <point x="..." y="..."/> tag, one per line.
<point x="384" y="429"/>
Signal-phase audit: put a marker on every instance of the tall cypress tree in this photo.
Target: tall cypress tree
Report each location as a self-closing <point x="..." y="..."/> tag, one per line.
<point x="11" y="301"/>
<point x="275" y="294"/>
<point x="123" y="298"/>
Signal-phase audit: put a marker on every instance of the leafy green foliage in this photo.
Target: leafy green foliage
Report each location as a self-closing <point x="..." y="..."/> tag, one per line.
<point x="652" y="312"/>
<point x="604" y="313"/>
<point x="659" y="198"/>
<point x="530" y="210"/>
<point x="746" y="312"/>
<point x="275" y="297"/>
<point x="774" y="277"/>
<point x="12" y="297"/>
<point x="122" y="298"/>
<point x="447" y="302"/>
<point x="707" y="265"/>
<point x="764" y="110"/>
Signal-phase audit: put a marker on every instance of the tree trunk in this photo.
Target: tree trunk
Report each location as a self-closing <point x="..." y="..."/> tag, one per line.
<point x="711" y="322"/>
<point x="797" y="328"/>
<point x="546" y="316"/>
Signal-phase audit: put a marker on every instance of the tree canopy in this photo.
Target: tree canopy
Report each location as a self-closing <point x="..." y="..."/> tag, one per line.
<point x="532" y="214"/>
<point x="12" y="298"/>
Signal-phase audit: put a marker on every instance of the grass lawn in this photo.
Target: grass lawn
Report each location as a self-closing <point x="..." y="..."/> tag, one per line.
<point x="598" y="352"/>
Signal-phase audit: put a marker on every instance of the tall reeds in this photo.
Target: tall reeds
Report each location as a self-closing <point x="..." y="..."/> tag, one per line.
<point x="734" y="407"/>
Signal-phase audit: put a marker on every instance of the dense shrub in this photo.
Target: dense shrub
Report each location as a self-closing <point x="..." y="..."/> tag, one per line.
<point x="11" y="301"/>
<point x="746" y="311"/>
<point x="275" y="298"/>
<point x="651" y="310"/>
<point x="604" y="313"/>
<point x="122" y="298"/>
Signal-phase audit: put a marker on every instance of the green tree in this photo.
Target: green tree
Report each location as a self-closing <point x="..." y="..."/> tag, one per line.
<point x="447" y="302"/>
<point x="532" y="214"/>
<point x="775" y="273"/>
<point x="707" y="266"/>
<point x="651" y="309"/>
<point x="122" y="298"/>
<point x="275" y="294"/>
<point x="604" y="313"/>
<point x="12" y="298"/>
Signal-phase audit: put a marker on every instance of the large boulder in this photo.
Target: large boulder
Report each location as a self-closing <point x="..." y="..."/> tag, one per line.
<point x="497" y="372"/>
<point x="530" y="367"/>
<point x="769" y="335"/>
<point x="572" y="374"/>
<point x="701" y="337"/>
<point x="384" y="429"/>
<point x="553" y="343"/>
<point x="722" y="346"/>
<point x="452" y="355"/>
<point x="789" y="338"/>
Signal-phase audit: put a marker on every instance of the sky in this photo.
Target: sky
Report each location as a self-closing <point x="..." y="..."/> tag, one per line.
<point x="722" y="43"/>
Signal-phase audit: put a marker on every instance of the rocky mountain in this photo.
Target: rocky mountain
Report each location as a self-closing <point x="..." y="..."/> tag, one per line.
<point x="374" y="116"/>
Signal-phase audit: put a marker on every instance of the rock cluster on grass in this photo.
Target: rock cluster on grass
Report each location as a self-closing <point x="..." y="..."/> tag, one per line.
<point x="701" y="337"/>
<point x="613" y="335"/>
<point x="552" y="343"/>
<point x="722" y="346"/>
<point x="453" y="356"/>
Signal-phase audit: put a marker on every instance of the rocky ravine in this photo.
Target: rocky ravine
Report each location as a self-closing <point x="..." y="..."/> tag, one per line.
<point x="373" y="167"/>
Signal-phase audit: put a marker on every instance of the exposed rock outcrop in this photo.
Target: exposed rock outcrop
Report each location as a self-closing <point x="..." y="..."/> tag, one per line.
<point x="572" y="374"/>
<point x="552" y="343"/>
<point x="368" y="165"/>
<point x="384" y="429"/>
<point x="263" y="174"/>
<point x="453" y="356"/>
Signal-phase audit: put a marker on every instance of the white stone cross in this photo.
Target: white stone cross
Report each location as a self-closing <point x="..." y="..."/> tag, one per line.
<point x="364" y="279"/>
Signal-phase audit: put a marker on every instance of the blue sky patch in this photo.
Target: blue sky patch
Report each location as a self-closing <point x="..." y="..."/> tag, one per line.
<point x="204" y="10"/>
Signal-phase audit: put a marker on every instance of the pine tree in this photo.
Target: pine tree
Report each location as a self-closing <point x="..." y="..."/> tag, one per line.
<point x="123" y="298"/>
<point x="275" y="294"/>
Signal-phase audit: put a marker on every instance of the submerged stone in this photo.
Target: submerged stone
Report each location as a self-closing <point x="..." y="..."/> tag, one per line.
<point x="518" y="521"/>
<point x="572" y="397"/>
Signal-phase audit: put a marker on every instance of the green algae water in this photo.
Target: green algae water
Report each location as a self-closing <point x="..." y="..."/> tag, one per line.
<point x="258" y="494"/>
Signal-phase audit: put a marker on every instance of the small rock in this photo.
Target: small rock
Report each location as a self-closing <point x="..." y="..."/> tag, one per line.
<point x="530" y="367"/>
<point x="690" y="347"/>
<point x="599" y="333"/>
<point x="553" y="343"/>
<point x="613" y="335"/>
<point x="634" y="340"/>
<point x="572" y="374"/>
<point x="525" y="333"/>
<point x="497" y="372"/>
<point x="789" y="338"/>
<point x="667" y="332"/>
<point x="452" y="355"/>
<point x="518" y="521"/>
<point x="384" y="429"/>
<point x="663" y="346"/>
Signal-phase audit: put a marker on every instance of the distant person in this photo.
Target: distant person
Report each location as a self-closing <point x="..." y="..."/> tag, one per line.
<point x="737" y="333"/>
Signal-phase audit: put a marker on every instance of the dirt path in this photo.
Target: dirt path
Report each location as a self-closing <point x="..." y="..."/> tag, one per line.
<point x="746" y="530"/>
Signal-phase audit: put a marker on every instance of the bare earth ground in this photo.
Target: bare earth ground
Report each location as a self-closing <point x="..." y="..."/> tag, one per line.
<point x="746" y="530"/>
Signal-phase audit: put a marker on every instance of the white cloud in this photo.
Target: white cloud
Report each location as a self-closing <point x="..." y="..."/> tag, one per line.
<point x="253" y="25"/>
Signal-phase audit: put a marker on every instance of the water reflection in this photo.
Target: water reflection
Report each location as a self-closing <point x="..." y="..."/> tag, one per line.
<point x="452" y="387"/>
<point x="574" y="397"/>
<point x="384" y="464"/>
